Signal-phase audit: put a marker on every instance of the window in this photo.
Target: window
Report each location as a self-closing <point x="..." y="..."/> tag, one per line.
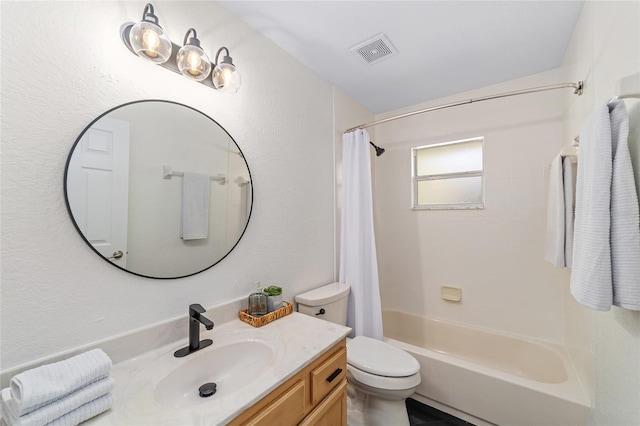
<point x="448" y="175"/>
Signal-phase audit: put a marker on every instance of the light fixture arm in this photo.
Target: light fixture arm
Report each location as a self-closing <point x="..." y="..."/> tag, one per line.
<point x="193" y="40"/>
<point x="224" y="59"/>
<point x="149" y="15"/>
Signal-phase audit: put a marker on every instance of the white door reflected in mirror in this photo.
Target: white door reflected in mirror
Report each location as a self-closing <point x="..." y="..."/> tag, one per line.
<point x="98" y="176"/>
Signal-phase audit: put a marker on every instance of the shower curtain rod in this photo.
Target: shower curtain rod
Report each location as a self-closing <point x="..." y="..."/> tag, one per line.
<point x="576" y="86"/>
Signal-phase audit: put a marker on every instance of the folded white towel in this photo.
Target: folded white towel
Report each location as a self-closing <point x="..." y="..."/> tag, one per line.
<point x="56" y="409"/>
<point x="195" y="206"/>
<point x="36" y="387"/>
<point x="625" y="215"/>
<point x="591" y="279"/>
<point x="85" y="412"/>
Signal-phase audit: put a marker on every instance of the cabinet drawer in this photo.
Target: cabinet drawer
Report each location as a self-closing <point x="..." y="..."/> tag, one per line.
<point x="288" y="409"/>
<point x="328" y="375"/>
<point x="332" y="411"/>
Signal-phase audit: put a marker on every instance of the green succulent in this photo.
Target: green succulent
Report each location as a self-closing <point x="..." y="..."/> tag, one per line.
<point x="272" y="290"/>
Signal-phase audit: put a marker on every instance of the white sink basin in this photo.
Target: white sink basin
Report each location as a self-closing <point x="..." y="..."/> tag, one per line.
<point x="231" y="367"/>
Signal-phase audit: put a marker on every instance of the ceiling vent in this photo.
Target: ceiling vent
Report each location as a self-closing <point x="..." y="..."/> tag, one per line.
<point x="375" y="49"/>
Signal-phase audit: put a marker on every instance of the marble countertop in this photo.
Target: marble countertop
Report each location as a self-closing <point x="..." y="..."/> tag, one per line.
<point x="296" y="340"/>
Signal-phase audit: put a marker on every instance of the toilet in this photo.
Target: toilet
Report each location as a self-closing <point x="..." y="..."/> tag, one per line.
<point x="379" y="376"/>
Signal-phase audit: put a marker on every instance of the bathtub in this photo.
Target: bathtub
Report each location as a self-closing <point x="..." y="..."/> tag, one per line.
<point x="487" y="377"/>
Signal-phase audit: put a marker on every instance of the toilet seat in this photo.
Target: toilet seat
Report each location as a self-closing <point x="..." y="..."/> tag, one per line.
<point x="383" y="382"/>
<point x="379" y="358"/>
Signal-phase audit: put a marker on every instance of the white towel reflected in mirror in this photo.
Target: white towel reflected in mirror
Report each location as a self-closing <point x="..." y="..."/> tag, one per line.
<point x="196" y="188"/>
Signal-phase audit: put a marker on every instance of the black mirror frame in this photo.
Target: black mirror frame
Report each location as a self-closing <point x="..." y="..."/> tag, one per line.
<point x="75" y="224"/>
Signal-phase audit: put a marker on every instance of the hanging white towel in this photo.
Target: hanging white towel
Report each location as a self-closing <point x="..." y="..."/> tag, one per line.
<point x="569" y="191"/>
<point x="625" y="215"/>
<point x="41" y="385"/>
<point x="591" y="279"/>
<point x="559" y="241"/>
<point x="248" y="194"/>
<point x="634" y="142"/>
<point x="556" y="218"/>
<point x="56" y="409"/>
<point x="554" y="248"/>
<point x="195" y="206"/>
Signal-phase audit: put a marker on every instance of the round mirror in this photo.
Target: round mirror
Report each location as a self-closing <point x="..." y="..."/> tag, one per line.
<point x="158" y="189"/>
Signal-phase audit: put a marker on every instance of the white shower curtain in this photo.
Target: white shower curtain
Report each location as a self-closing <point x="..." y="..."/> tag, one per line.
<point x="358" y="262"/>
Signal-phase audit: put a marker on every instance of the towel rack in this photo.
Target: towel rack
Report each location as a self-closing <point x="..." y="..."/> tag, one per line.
<point x="240" y="181"/>
<point x="168" y="173"/>
<point x="571" y="152"/>
<point x="628" y="87"/>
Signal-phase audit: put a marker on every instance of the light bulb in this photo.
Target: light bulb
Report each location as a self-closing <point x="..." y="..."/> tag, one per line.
<point x="226" y="75"/>
<point x="194" y="60"/>
<point x="151" y="41"/>
<point x="226" y="78"/>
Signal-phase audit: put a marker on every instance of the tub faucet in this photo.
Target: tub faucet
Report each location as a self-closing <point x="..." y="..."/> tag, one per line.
<point x="195" y="319"/>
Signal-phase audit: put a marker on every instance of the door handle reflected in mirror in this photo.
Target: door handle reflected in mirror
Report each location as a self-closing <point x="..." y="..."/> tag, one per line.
<point x="116" y="255"/>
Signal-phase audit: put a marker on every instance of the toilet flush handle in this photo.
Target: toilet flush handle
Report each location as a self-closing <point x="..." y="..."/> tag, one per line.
<point x="321" y="311"/>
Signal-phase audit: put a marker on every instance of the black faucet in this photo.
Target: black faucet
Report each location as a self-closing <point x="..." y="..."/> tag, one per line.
<point x="195" y="344"/>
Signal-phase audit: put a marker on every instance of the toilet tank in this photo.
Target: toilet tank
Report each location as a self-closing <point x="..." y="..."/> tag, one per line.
<point x="328" y="302"/>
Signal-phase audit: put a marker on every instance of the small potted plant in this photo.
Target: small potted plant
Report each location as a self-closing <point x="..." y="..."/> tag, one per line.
<point x="274" y="297"/>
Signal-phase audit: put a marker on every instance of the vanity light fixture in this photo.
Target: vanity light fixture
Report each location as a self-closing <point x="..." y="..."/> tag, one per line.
<point x="225" y="77"/>
<point x="192" y="61"/>
<point x="147" y="40"/>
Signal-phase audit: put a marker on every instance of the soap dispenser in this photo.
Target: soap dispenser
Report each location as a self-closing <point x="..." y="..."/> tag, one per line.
<point x="258" y="302"/>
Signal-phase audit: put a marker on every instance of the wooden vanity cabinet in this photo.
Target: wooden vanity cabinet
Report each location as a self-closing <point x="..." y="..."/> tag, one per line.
<point x="315" y="396"/>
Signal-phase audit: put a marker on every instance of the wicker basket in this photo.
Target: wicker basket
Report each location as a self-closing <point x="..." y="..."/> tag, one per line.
<point x="265" y="319"/>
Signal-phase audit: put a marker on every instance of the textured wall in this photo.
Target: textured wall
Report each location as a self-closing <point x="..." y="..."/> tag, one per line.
<point x="62" y="65"/>
<point x="605" y="47"/>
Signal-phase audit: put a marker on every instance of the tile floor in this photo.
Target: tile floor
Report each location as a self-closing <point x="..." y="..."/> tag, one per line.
<point x="423" y="415"/>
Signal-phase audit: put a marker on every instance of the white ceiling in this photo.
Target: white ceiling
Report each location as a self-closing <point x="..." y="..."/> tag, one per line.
<point x="444" y="47"/>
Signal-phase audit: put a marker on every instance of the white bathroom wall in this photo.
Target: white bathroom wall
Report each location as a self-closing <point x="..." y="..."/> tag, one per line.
<point x="605" y="47"/>
<point x="495" y="255"/>
<point x="63" y="64"/>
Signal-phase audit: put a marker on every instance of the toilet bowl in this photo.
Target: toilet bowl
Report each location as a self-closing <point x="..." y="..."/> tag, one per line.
<point x="379" y="376"/>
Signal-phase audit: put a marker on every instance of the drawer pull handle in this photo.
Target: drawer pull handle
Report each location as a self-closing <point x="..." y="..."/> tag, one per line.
<point x="334" y="375"/>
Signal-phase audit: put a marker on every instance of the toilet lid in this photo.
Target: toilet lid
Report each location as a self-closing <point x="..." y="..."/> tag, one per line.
<point x="380" y="358"/>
